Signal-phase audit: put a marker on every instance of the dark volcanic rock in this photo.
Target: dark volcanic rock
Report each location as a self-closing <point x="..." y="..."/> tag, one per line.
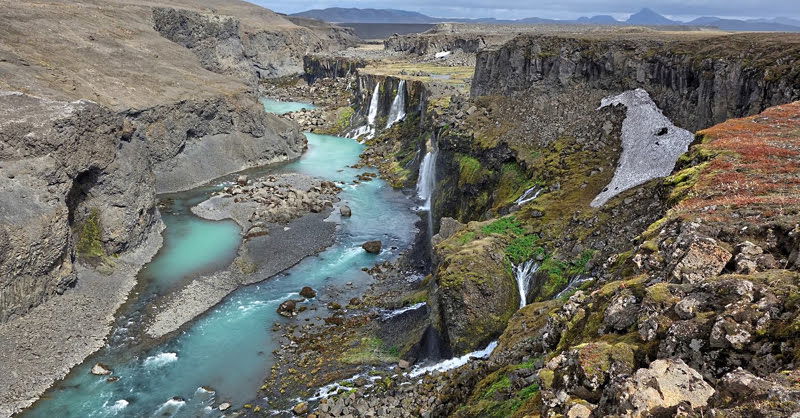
<point x="308" y="293"/>
<point x="372" y="247"/>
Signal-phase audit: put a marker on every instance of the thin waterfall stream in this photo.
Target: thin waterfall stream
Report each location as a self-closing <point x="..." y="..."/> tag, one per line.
<point x="398" y="110"/>
<point x="523" y="273"/>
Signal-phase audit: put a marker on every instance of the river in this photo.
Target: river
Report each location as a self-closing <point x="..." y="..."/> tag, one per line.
<point x="224" y="355"/>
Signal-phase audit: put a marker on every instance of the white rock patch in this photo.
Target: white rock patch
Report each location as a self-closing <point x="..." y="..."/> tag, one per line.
<point x="651" y="144"/>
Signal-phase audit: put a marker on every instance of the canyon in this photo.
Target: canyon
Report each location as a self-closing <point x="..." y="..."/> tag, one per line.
<point x="582" y="222"/>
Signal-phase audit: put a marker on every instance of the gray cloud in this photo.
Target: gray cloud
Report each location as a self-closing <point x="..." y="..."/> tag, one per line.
<point x="568" y="9"/>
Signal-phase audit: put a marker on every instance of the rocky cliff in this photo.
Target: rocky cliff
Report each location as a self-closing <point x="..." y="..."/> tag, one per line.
<point x="250" y="52"/>
<point x="96" y="165"/>
<point x="697" y="83"/>
<point x="75" y="182"/>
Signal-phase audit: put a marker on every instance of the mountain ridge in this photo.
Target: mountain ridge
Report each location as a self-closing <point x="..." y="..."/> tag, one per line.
<point x="645" y="16"/>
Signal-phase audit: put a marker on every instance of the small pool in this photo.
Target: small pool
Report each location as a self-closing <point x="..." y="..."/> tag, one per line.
<point x="281" y="108"/>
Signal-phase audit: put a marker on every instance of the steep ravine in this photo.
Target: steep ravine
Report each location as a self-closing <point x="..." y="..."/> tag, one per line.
<point x="593" y="349"/>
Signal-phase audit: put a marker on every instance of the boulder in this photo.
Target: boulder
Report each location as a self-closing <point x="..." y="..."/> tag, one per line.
<point x="621" y="312"/>
<point x="403" y="364"/>
<point x="345" y="211"/>
<point x="100" y="369"/>
<point x="447" y="228"/>
<point x="288" y="308"/>
<point x="372" y="247"/>
<point x="241" y="180"/>
<point x="300" y="408"/>
<point x="703" y="259"/>
<point x="663" y="386"/>
<point x="223" y="406"/>
<point x="308" y="293"/>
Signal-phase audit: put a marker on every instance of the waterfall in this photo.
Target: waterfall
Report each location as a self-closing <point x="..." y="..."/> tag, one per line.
<point x="529" y="195"/>
<point x="454" y="362"/>
<point x="373" y="105"/>
<point x="523" y="273"/>
<point x="398" y="312"/>
<point x="398" y="110"/>
<point x="426" y="181"/>
<point x="372" y="114"/>
<point x="573" y="284"/>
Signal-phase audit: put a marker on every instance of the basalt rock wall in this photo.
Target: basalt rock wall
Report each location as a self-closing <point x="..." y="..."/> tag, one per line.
<point x="696" y="83"/>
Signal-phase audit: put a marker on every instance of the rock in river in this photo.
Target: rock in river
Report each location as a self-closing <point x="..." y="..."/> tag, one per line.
<point x="100" y="370"/>
<point x="287" y="308"/>
<point x="308" y="293"/>
<point x="345" y="211"/>
<point x="372" y="247"/>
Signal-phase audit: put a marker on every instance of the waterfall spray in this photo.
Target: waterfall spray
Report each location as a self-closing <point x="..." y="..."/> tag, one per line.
<point x="372" y="114"/>
<point x="523" y="273"/>
<point x="398" y="110"/>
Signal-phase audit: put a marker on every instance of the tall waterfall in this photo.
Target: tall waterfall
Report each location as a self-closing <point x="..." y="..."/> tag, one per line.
<point x="372" y="114"/>
<point x="523" y="273"/>
<point x="398" y="110"/>
<point x="426" y="181"/>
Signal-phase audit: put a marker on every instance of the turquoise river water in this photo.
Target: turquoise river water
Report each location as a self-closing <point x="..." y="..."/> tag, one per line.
<point x="224" y="355"/>
<point x="281" y="108"/>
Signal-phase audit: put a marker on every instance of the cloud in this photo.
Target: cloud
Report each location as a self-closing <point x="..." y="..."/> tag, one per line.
<point x="566" y="9"/>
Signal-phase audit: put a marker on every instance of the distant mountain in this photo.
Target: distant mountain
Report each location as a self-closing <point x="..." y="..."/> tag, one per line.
<point x="753" y="25"/>
<point x="649" y="17"/>
<point x="645" y="17"/>
<point x="780" y="20"/>
<point x="599" y="20"/>
<point x="352" y="15"/>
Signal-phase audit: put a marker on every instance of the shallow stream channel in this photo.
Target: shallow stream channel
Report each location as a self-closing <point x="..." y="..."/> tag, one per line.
<point x="224" y="355"/>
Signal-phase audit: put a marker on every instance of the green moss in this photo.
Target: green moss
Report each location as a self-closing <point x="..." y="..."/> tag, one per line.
<point x="558" y="273"/>
<point x="513" y="182"/>
<point x="523" y="248"/>
<point x="504" y="226"/>
<point x="546" y="377"/>
<point x="344" y="116"/>
<point x="683" y="181"/>
<point x="371" y="350"/>
<point x="470" y="170"/>
<point x="90" y="243"/>
<point x="466" y="237"/>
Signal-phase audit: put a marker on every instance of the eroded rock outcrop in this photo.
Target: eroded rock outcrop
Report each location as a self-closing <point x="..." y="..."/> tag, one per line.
<point x="249" y="50"/>
<point x="696" y="83"/>
<point x="66" y="166"/>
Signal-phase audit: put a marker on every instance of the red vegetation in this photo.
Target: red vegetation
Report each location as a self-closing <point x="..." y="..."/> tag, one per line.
<point x="755" y="166"/>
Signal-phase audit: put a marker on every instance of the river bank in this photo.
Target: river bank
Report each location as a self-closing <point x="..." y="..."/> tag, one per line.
<point x="68" y="329"/>
<point x="197" y="355"/>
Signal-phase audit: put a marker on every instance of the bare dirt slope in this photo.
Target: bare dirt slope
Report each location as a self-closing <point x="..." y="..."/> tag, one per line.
<point x="107" y="50"/>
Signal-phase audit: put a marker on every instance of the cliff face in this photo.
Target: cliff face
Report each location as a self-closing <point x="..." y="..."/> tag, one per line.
<point x="696" y="83"/>
<point x="225" y="46"/>
<point x="80" y="177"/>
<point x="66" y="166"/>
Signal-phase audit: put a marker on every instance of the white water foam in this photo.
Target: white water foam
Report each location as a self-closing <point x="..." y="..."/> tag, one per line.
<point x="455" y="362"/>
<point x="397" y="312"/>
<point x="160" y="359"/>
<point x="529" y="195"/>
<point x="372" y="114"/>
<point x="522" y="274"/>
<point x="169" y="408"/>
<point x="573" y="284"/>
<point x="426" y="181"/>
<point x="398" y="110"/>
<point x="118" y="406"/>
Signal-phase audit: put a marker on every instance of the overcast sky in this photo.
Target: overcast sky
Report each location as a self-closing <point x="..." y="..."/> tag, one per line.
<point x="564" y="9"/>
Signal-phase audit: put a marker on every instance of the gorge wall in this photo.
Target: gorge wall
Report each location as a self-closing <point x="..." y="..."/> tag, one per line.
<point x="225" y="45"/>
<point x="81" y="175"/>
<point x="696" y="83"/>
